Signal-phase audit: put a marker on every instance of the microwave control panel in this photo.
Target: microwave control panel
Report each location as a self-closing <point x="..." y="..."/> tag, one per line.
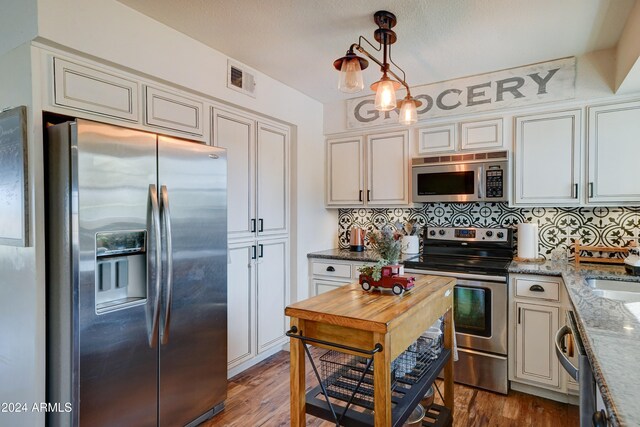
<point x="494" y="183"/>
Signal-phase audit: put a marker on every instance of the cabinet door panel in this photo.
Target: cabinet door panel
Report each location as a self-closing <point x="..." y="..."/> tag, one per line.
<point x="547" y="154"/>
<point x="95" y="91"/>
<point x="273" y="180"/>
<point x="237" y="135"/>
<point x="388" y="169"/>
<point x="437" y="139"/>
<point x="614" y="132"/>
<point x="536" y="360"/>
<point x="345" y="171"/>
<point x="481" y="135"/>
<point x="273" y="292"/>
<point x="171" y="111"/>
<point x="240" y="302"/>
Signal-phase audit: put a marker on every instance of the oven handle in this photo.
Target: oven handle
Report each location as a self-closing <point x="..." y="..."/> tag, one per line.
<point x="480" y="277"/>
<point x="564" y="360"/>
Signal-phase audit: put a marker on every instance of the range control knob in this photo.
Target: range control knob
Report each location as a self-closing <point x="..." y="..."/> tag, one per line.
<point x="489" y="233"/>
<point x="500" y="234"/>
<point x="432" y="233"/>
<point x="441" y="232"/>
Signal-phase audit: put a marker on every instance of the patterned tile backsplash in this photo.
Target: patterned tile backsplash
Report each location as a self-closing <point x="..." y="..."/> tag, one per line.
<point x="559" y="227"/>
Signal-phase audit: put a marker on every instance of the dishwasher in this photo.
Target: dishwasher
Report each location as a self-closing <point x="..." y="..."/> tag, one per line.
<point x="573" y="358"/>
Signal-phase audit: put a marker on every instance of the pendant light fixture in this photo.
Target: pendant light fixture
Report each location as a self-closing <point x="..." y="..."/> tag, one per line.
<point x="351" y="66"/>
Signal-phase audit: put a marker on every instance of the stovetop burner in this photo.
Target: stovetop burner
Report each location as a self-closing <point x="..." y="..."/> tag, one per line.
<point x="485" y="251"/>
<point x="476" y="265"/>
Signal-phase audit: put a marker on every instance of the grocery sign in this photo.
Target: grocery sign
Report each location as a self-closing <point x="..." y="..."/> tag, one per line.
<point x="515" y="87"/>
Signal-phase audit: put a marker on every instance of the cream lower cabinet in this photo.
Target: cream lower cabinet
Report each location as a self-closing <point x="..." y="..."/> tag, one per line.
<point x="257" y="293"/>
<point x="328" y="274"/>
<point x="535" y="355"/>
<point x="272" y="292"/>
<point x="371" y="170"/>
<point x="537" y="307"/>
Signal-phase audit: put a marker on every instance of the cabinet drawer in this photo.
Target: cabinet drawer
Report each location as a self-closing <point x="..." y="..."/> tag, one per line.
<point x="539" y="289"/>
<point x="171" y="111"/>
<point x="322" y="286"/>
<point x="332" y="269"/>
<point x="91" y="90"/>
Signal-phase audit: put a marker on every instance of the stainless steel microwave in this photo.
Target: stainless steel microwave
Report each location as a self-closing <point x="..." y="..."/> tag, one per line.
<point x="480" y="177"/>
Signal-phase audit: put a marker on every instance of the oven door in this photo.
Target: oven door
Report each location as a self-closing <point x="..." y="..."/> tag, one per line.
<point x="448" y="183"/>
<point x="480" y="315"/>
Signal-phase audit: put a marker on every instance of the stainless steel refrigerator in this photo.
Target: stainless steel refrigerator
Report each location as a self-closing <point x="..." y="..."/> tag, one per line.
<point x="136" y="277"/>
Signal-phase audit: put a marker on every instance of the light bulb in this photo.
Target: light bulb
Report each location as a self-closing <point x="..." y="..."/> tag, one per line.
<point x="385" y="95"/>
<point x="350" y="76"/>
<point x="408" y="112"/>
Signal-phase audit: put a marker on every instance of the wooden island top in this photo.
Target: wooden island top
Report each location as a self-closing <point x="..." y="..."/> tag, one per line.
<point x="350" y="316"/>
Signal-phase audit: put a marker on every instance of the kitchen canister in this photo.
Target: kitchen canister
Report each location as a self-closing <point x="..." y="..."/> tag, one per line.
<point x="528" y="241"/>
<point x="410" y="245"/>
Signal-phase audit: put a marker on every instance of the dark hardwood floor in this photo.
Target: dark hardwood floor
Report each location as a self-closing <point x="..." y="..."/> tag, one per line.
<point x="260" y="397"/>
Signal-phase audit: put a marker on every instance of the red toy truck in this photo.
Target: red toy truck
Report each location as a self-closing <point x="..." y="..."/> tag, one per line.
<point x="390" y="279"/>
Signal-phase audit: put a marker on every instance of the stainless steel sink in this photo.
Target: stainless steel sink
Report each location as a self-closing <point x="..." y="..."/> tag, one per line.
<point x="616" y="289"/>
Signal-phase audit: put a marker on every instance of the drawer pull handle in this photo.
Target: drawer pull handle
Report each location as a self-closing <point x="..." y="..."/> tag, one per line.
<point x="536" y="288"/>
<point x="330" y="268"/>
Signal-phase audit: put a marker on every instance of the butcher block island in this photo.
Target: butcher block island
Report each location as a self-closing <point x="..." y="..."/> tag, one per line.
<point x="373" y="328"/>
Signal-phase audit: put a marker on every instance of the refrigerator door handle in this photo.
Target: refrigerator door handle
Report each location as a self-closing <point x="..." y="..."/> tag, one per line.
<point x="166" y="216"/>
<point x="154" y="262"/>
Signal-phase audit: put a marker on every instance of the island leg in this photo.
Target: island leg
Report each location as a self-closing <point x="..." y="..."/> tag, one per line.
<point x="448" y="368"/>
<point x="382" y="381"/>
<point x="297" y="378"/>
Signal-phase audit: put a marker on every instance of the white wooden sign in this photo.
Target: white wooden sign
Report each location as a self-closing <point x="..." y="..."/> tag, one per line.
<point x="515" y="87"/>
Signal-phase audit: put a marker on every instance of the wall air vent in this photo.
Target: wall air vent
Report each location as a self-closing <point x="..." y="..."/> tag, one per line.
<point x="241" y="79"/>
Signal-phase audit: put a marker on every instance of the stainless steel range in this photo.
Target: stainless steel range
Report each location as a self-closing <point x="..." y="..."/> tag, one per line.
<point x="478" y="258"/>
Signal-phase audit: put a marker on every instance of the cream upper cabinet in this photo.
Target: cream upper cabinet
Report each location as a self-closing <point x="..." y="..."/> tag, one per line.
<point x="345" y="171"/>
<point x="547" y="159"/>
<point x="613" y="153"/>
<point x="273" y="179"/>
<point x="388" y="168"/>
<point x="171" y="111"/>
<point x="237" y="134"/>
<point x="481" y="135"/>
<point x="258" y="174"/>
<point x="371" y="174"/>
<point x="94" y="91"/>
<point x="473" y="135"/>
<point x="437" y="139"/>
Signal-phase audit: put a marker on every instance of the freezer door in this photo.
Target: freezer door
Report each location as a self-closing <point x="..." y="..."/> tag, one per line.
<point x="193" y="317"/>
<point x="116" y="173"/>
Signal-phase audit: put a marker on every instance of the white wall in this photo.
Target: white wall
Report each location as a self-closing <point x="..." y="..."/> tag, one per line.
<point x="22" y="337"/>
<point x="18" y="23"/>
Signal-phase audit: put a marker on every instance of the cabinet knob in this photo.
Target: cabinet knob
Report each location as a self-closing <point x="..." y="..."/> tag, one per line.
<point x="330" y="268"/>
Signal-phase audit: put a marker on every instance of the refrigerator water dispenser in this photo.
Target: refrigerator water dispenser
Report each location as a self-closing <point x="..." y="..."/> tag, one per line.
<point x="121" y="274"/>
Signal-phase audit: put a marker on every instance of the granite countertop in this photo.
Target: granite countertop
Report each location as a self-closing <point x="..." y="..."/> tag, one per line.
<point x="610" y="331"/>
<point x="367" y="255"/>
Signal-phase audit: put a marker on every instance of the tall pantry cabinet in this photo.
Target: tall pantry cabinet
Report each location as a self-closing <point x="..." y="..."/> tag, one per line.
<point x="258" y="230"/>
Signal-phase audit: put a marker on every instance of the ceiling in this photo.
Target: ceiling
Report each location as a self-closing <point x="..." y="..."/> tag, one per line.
<point x="296" y="41"/>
